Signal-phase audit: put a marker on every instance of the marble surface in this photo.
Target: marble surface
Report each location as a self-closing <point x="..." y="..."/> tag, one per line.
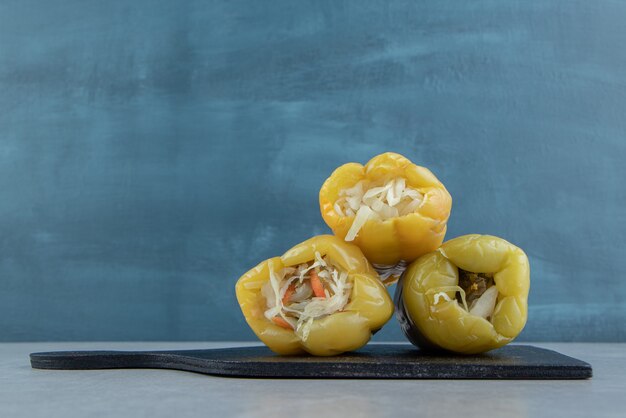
<point x="25" y="392"/>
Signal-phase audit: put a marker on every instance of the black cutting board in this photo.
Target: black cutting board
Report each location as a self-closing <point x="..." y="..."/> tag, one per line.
<point x="375" y="361"/>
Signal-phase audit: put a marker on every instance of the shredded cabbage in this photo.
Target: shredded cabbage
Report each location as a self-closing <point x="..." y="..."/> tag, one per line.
<point x="440" y="292"/>
<point x="302" y="309"/>
<point x="483" y="306"/>
<point x="367" y="201"/>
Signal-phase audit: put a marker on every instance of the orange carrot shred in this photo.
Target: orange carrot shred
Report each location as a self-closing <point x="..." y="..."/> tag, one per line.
<point x="281" y="322"/>
<point x="288" y="293"/>
<point x="316" y="285"/>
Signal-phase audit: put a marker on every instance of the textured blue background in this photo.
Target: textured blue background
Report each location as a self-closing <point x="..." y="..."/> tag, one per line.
<point x="151" y="152"/>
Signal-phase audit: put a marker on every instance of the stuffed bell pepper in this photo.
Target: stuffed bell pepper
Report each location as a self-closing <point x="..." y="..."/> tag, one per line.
<point x="321" y="297"/>
<point x="469" y="296"/>
<point x="392" y="209"/>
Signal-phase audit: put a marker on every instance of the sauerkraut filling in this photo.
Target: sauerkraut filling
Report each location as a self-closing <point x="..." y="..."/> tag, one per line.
<point x="380" y="200"/>
<point x="477" y="292"/>
<point x="481" y="293"/>
<point x="297" y="296"/>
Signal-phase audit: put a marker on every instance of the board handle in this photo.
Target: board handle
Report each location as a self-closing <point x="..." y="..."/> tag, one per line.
<point x="92" y="360"/>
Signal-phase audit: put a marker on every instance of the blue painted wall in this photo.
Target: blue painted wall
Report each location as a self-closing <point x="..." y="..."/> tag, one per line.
<point x="152" y="151"/>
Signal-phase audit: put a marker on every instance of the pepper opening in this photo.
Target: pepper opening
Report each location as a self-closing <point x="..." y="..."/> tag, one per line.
<point x="481" y="293"/>
<point x="382" y="199"/>
<point x="297" y="295"/>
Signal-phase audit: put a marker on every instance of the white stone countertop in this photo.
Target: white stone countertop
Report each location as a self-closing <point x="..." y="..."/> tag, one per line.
<point x="25" y="392"/>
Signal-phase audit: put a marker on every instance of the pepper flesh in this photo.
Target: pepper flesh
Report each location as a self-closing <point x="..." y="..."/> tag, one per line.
<point x="368" y="309"/>
<point x="433" y="322"/>
<point x="402" y="238"/>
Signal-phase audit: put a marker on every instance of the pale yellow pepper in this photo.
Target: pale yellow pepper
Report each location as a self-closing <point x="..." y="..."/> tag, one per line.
<point x="433" y="322"/>
<point x="368" y="309"/>
<point x="386" y="242"/>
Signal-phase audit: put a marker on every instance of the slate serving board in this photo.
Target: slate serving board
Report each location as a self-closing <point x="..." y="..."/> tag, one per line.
<point x="375" y="361"/>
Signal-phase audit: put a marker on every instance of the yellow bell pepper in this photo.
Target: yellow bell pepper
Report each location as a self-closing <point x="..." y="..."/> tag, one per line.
<point x="368" y="308"/>
<point x="430" y="304"/>
<point x="391" y="240"/>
